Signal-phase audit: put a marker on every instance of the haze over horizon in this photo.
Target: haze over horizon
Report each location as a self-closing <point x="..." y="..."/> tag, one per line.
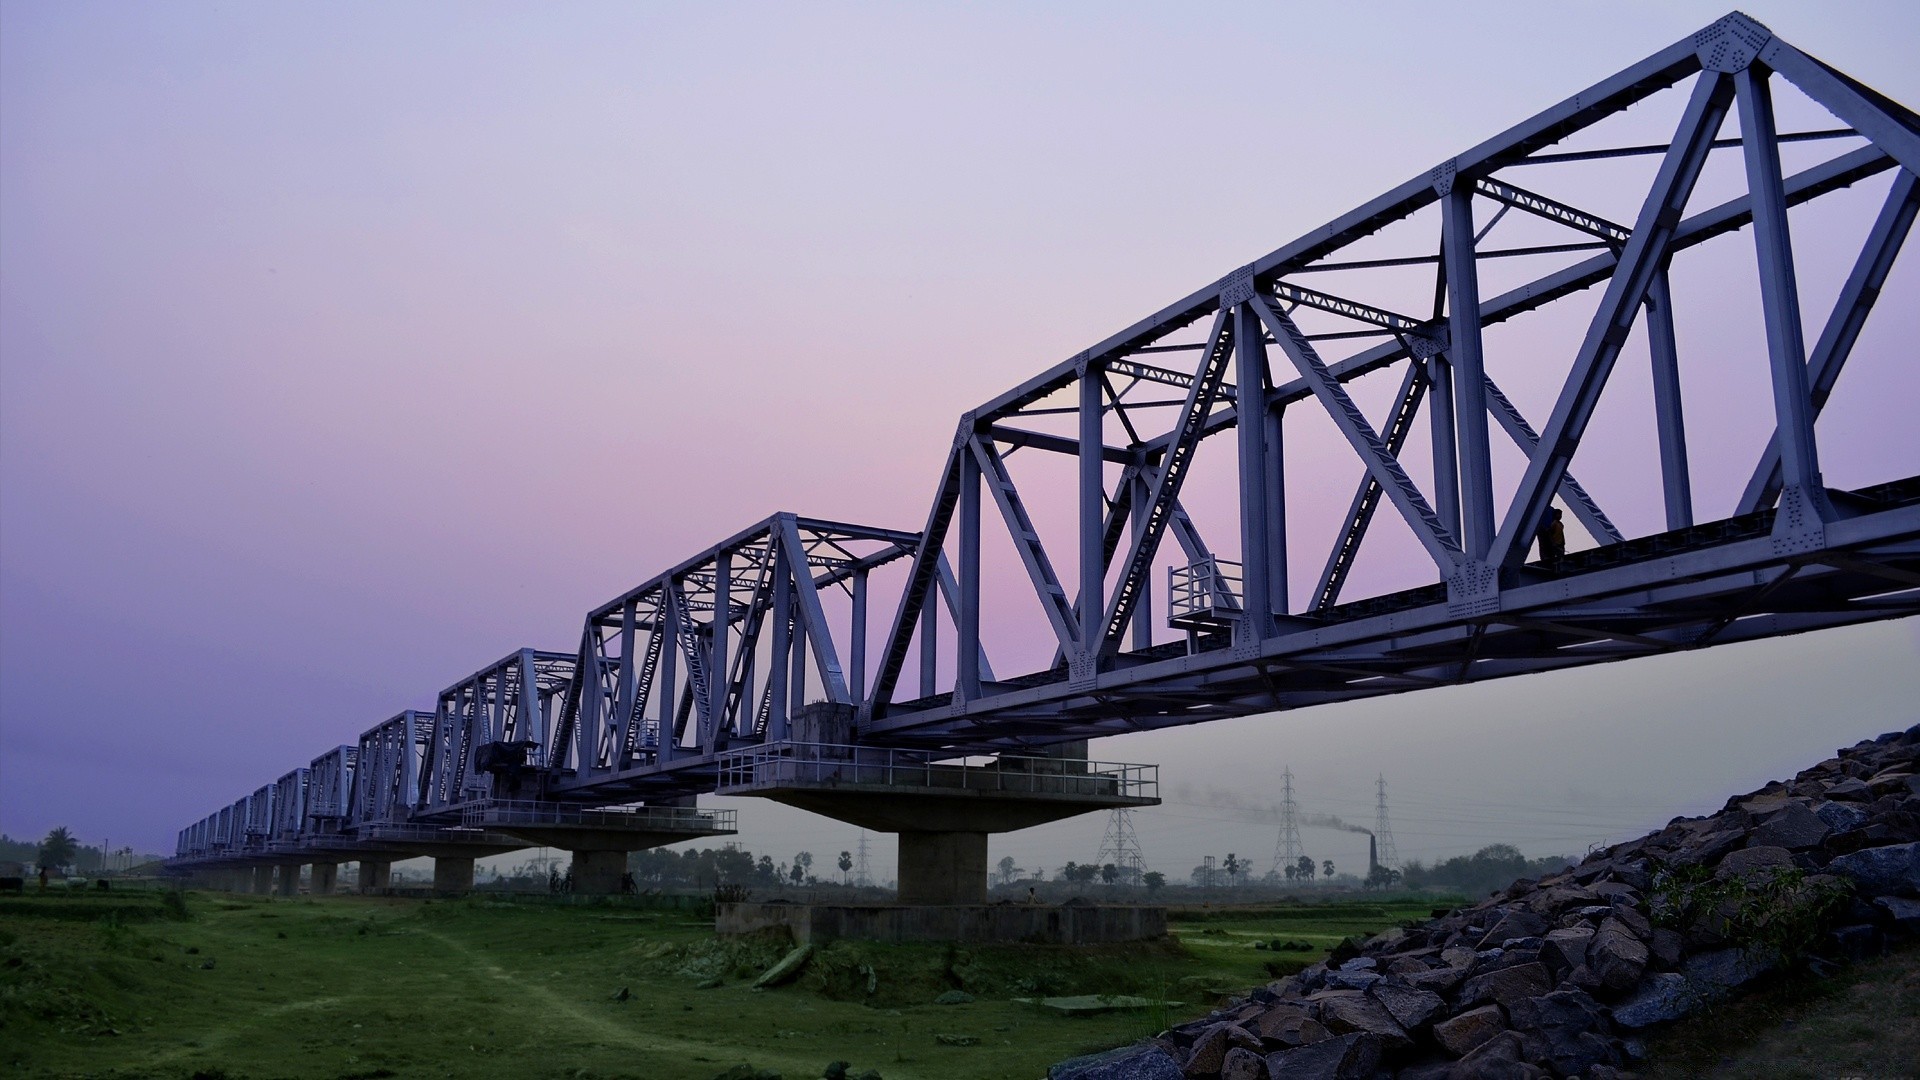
<point x="344" y="348"/>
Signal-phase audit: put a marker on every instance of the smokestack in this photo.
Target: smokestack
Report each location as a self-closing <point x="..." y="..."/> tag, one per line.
<point x="1373" y="854"/>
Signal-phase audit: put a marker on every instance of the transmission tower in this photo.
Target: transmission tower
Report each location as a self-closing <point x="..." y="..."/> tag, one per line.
<point x="1382" y="831"/>
<point x="1121" y="847"/>
<point x="1286" y="848"/>
<point x="861" y="876"/>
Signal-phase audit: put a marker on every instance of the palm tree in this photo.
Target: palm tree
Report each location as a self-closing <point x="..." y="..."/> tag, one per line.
<point x="846" y="864"/>
<point x="57" y="849"/>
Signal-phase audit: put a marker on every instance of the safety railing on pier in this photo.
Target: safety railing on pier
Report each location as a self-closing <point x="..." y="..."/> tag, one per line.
<point x="833" y="764"/>
<point x="496" y="813"/>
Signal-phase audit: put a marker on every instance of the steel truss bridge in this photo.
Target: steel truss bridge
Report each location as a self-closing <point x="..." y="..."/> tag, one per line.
<point x="677" y="682"/>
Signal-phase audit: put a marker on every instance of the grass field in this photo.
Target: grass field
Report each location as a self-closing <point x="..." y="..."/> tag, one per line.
<point x="133" y="984"/>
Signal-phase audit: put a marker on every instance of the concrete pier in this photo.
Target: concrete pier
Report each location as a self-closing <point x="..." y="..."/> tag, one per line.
<point x="453" y="874"/>
<point x="323" y="878"/>
<point x="288" y="879"/>
<point x="263" y="880"/>
<point x="942" y="810"/>
<point x="375" y="874"/>
<point x="599" y="839"/>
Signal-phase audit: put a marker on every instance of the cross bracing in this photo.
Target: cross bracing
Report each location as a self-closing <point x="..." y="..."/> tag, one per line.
<point x="1381" y="339"/>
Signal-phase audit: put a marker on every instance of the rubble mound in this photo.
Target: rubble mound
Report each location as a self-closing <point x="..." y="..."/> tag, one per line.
<point x="1560" y="977"/>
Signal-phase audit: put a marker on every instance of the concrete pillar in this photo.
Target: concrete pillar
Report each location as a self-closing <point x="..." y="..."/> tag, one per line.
<point x="290" y="879"/>
<point x="943" y="868"/>
<point x="323" y="878"/>
<point x="263" y="880"/>
<point x="453" y="874"/>
<point x="375" y="875"/>
<point x="598" y="873"/>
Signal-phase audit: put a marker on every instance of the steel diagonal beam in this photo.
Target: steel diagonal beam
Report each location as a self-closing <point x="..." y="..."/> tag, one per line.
<point x="819" y="635"/>
<point x="751" y="621"/>
<point x="921" y="578"/>
<point x="1373" y="452"/>
<point x="693" y="655"/>
<point x="1367" y="497"/>
<point x="1891" y="126"/>
<point x="1523" y="436"/>
<point x="1642" y="257"/>
<point x="1171" y="475"/>
<point x="1540" y="206"/>
<point x="1850" y="311"/>
<point x="1026" y="540"/>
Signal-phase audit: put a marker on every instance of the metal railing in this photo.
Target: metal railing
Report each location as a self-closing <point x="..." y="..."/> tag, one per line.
<point x="833" y="764"/>
<point x="503" y="812"/>
<point x="1207" y="590"/>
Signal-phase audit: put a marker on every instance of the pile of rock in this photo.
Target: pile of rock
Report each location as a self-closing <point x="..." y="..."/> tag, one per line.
<point x="1558" y="977"/>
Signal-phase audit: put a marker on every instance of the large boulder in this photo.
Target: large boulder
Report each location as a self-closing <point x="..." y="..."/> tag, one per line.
<point x="1354" y="1056"/>
<point x="1617" y="957"/>
<point x="1463" y="1033"/>
<point x="1893" y="869"/>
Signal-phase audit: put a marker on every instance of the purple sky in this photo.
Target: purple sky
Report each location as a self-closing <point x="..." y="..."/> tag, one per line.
<point x="345" y="347"/>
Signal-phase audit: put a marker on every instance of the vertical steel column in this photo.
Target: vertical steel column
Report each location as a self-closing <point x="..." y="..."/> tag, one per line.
<point x="1250" y="403"/>
<point x="1093" y="512"/>
<point x="717" y="678"/>
<point x="624" y="689"/>
<point x="857" y="677"/>
<point x="1142" y="497"/>
<point x="1446" y="460"/>
<point x="664" y="683"/>
<point x="1469" y="371"/>
<point x="1779" y="293"/>
<point x="777" y="671"/>
<point x="966" y="685"/>
<point x="1675" y="480"/>
<point x="533" y="722"/>
<point x="797" y="660"/>
<point x="1277" y="599"/>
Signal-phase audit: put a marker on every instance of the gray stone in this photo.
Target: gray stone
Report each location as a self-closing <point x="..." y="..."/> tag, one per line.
<point x="1347" y="1057"/>
<point x="1514" y="924"/>
<point x="1794" y="827"/>
<point x="1410" y="1008"/>
<point x="1507" y="985"/>
<point x="1664" y="948"/>
<point x="1616" y="956"/>
<point x="954" y="997"/>
<point x="1749" y="861"/>
<point x="1346" y="1013"/>
<point x="1840" y="817"/>
<point x="1351" y="980"/>
<point x="1463" y="1033"/>
<point x="1243" y="1065"/>
<point x="1209" y="1053"/>
<point x="1289" y="1026"/>
<point x="1564" y="1030"/>
<point x="1882" y="871"/>
<point x="1148" y="1062"/>
<point x="1663" y="997"/>
<point x="1567" y="949"/>
<point x="1710" y="975"/>
<point x="1905" y="913"/>
<point x="1499" y="1058"/>
<point x="1852" y="789"/>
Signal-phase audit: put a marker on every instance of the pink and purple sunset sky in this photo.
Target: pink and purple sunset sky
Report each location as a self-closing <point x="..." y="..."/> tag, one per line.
<point x="345" y="347"/>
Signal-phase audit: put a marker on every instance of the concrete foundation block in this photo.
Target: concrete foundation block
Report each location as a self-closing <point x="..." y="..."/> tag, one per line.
<point x="943" y="868"/>
<point x="453" y="874"/>
<point x="324" y="877"/>
<point x="375" y="876"/>
<point x="598" y="873"/>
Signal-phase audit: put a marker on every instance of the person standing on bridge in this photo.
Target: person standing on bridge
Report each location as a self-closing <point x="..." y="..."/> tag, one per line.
<point x="1552" y="538"/>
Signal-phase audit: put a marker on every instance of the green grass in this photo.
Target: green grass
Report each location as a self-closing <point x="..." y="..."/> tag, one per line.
<point x="117" y="985"/>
